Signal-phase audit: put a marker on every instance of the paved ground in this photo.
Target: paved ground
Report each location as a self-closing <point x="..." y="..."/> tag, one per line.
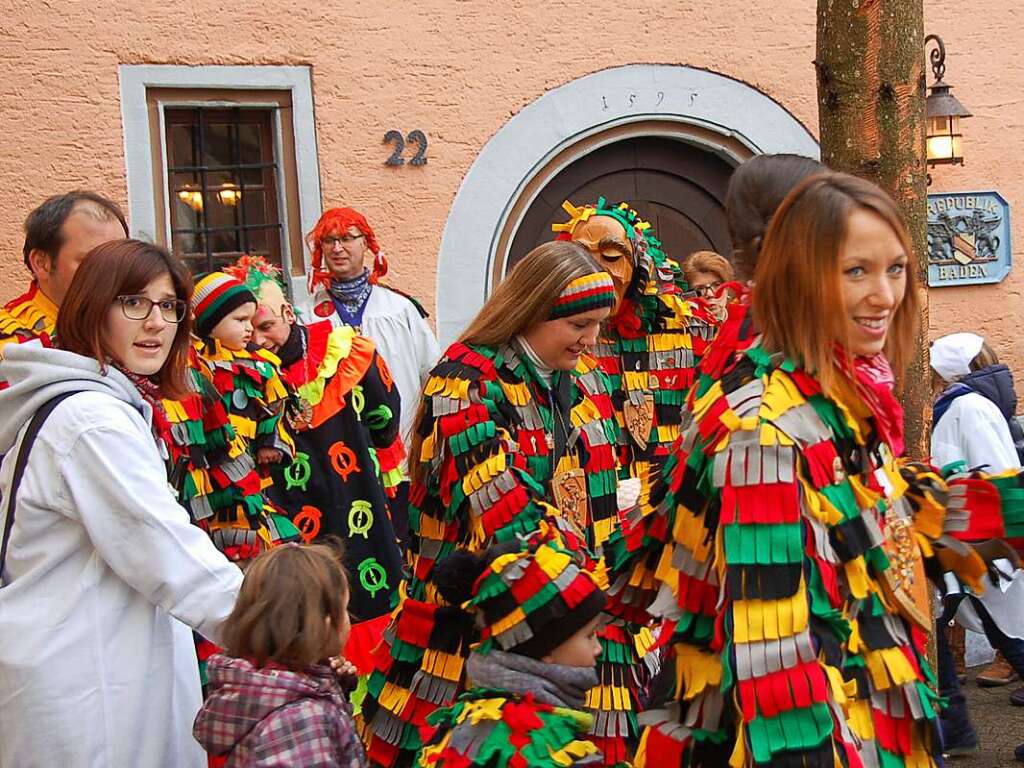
<point x="1000" y="726"/>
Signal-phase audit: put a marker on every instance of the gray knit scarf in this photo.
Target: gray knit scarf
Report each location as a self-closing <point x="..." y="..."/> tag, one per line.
<point x="554" y="684"/>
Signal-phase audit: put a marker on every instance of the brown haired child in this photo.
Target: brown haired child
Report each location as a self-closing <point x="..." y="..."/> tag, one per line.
<point x="274" y="698"/>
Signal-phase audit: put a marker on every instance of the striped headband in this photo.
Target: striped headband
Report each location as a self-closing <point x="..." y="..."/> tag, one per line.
<point x="583" y="294"/>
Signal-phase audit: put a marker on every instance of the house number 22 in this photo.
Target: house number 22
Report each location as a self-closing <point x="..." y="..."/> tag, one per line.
<point x="416" y="137"/>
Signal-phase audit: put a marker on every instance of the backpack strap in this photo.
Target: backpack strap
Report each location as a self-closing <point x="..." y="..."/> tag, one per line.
<point x="34" y="425"/>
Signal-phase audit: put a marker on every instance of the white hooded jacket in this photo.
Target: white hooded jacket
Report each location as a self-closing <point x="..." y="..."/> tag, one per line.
<point x="104" y="575"/>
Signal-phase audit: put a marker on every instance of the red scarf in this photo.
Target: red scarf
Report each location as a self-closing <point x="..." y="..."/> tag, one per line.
<point x="874" y="380"/>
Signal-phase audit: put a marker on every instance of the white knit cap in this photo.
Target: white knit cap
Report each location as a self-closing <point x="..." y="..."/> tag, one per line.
<point x="951" y="355"/>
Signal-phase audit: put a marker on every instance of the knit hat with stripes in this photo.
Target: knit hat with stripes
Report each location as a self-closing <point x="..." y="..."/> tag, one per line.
<point x="583" y="294"/>
<point x="528" y="596"/>
<point x="216" y="295"/>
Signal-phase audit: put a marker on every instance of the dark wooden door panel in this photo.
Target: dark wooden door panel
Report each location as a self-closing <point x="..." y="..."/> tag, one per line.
<point x="679" y="188"/>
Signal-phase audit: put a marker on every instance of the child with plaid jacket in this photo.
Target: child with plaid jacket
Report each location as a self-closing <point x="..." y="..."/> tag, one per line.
<point x="274" y="698"/>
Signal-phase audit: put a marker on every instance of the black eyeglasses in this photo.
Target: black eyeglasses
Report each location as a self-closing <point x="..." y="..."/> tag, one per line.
<point x="139" y="308"/>
<point x="330" y="241"/>
<point x="707" y="291"/>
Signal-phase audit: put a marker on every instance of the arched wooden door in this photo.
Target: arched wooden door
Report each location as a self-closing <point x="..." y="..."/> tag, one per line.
<point x="677" y="187"/>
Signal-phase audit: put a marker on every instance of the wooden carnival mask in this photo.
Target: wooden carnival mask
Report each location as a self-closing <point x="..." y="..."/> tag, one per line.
<point x="608" y="242"/>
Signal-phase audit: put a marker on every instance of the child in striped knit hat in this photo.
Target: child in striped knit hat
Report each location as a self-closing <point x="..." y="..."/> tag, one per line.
<point x="248" y="383"/>
<point x="538" y="610"/>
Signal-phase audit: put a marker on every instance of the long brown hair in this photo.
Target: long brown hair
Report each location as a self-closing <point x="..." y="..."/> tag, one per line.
<point x="524" y="298"/>
<point x="290" y="606"/>
<point x="114" y="269"/>
<point x="527" y="294"/>
<point x="797" y="297"/>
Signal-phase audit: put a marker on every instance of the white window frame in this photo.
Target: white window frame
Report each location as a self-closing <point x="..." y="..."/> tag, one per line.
<point x="137" y="79"/>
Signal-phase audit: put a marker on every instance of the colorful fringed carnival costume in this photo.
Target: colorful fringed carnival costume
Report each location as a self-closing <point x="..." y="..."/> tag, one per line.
<point x="211" y="467"/>
<point x="344" y="416"/>
<point x="207" y="465"/>
<point x="650" y="345"/>
<point x="498" y="443"/>
<point x="783" y="555"/>
<point x="521" y="712"/>
<point x="347" y="464"/>
<point x="29" y="316"/>
<point x="251" y="393"/>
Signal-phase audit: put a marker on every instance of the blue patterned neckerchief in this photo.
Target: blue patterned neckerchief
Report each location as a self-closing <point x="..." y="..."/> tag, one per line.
<point x="350" y="297"/>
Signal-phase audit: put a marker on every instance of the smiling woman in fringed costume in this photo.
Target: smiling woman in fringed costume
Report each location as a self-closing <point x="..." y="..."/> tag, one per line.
<point x="783" y="550"/>
<point x="516" y="424"/>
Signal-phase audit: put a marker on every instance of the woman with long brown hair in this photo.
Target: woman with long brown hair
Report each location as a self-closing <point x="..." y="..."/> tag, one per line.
<point x="796" y="607"/>
<point x="103" y="576"/>
<point x="515" y="418"/>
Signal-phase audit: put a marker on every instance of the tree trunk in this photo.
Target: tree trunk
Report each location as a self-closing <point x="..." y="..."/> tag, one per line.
<point x="871" y="119"/>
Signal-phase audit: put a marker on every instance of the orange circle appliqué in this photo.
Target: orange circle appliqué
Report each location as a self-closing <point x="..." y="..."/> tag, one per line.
<point x="308" y="522"/>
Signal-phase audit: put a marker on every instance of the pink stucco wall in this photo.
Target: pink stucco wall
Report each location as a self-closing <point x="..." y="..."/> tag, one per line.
<point x="458" y="71"/>
<point x="985" y="64"/>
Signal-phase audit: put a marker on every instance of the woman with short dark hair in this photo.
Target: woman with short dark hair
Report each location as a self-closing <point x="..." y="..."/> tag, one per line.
<point x="756" y="189"/>
<point x="102" y="576"/>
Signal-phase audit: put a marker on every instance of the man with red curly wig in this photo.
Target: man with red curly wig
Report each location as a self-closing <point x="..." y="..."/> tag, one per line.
<point x="346" y="292"/>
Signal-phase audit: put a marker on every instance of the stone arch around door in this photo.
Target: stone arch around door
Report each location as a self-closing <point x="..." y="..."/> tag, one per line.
<point x="672" y="134"/>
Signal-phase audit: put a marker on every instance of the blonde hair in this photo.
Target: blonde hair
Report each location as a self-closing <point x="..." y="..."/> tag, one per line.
<point x="797" y="284"/>
<point x="707" y="261"/>
<point x="286" y="595"/>
<point x="985" y="358"/>
<point x="527" y="294"/>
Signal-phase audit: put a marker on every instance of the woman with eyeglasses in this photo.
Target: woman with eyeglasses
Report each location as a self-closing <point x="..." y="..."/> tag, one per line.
<point x="102" y="576"/>
<point x="706" y="272"/>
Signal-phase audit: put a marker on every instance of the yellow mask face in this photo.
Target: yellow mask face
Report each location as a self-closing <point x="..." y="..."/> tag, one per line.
<point x="607" y="241"/>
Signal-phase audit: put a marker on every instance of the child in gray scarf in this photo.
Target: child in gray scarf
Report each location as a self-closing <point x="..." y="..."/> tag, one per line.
<point x="538" y="611"/>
